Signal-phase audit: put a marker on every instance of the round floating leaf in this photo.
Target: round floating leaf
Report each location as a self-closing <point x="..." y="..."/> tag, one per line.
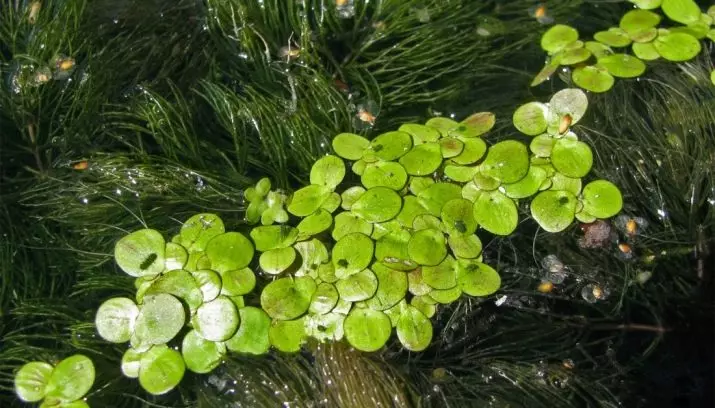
<point x="313" y="253"/>
<point x="175" y="256"/>
<point x="677" y="46"/>
<point x="229" y="251"/>
<point x="496" y="213"/>
<point x="419" y="184"/>
<point x="558" y="37"/>
<point x="427" y="247"/>
<point x="530" y="118"/>
<point x="645" y="51"/>
<point x="411" y="208"/>
<point x="451" y="147"/>
<point x="141" y="253"/>
<point x="602" y="199"/>
<point x="458" y="217"/>
<point x="131" y="363"/>
<point x="179" y="283"/>
<point x="594" y="79"/>
<point x="276" y="261"/>
<point x="573" y="57"/>
<point x="326" y="327"/>
<point x="477" y="279"/>
<point x="427" y="221"/>
<point x="161" y="370"/>
<point x="614" y="37"/>
<point x="570" y="101"/>
<point x="287" y="335"/>
<point x="546" y="72"/>
<point x="414" y="329"/>
<point x="421" y="133"/>
<point x="216" y="320"/>
<point x="622" y="65"/>
<point x="201" y="355"/>
<point x="239" y="282"/>
<point x="416" y="284"/>
<point x="31" y="381"/>
<point x="480" y="122"/>
<point x="324" y="299"/>
<point x="367" y="329"/>
<point x="359" y="167"/>
<point x="391" y="250"/>
<point x="198" y="230"/>
<point x="461" y="174"/>
<point x="647" y="4"/>
<point x="644" y="36"/>
<point x="351" y="254"/>
<point x="391" y="287"/>
<point x="71" y="379"/>
<point x="160" y="318"/>
<point x="683" y="11"/>
<point x="559" y="182"/>
<point x="273" y="237"/>
<point x="349" y="196"/>
<point x="446" y="296"/>
<point x="442" y="276"/>
<point x="485" y="183"/>
<point x="384" y="174"/>
<point x="474" y="149"/>
<point x="328" y="171"/>
<point x="527" y="186"/>
<point x="314" y="224"/>
<point x="437" y="195"/>
<point x="391" y="145"/>
<point x="348" y="223"/>
<point x="378" y="204"/>
<point x="115" y="319"/>
<point x="288" y="298"/>
<point x="308" y="199"/>
<point x="424" y="304"/>
<point x="469" y="246"/>
<point x="350" y="146"/>
<point x="443" y="125"/>
<point x="331" y="203"/>
<point x="639" y="20"/>
<point x="554" y="210"/>
<point x="357" y="287"/>
<point x="423" y="159"/>
<point x="209" y="283"/>
<point x="252" y="334"/>
<point x="506" y="161"/>
<point x="572" y="158"/>
<point x="599" y="50"/>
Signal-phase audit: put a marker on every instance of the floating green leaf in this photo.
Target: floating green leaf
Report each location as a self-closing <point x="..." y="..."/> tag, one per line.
<point x="175" y="256"/>
<point x="160" y="318"/>
<point x="592" y="78"/>
<point x="115" y="319"/>
<point x="531" y="118"/>
<point x="559" y="182"/>
<point x="31" y="381"/>
<point x="308" y="199"/>
<point x="288" y="298"/>
<point x="558" y="37"/>
<point x="391" y="250"/>
<point x="461" y="174"/>
<point x="496" y="213"/>
<point x="554" y="210"/>
<point x="427" y="221"/>
<point x="287" y="335"/>
<point x="198" y="230"/>
<point x="252" y="334"/>
<point x="378" y="204"/>
<point x="443" y="125"/>
<point x="599" y="50"/>
<point x="419" y="184"/>
<point x="313" y="254"/>
<point x="423" y="159"/>
<point x="314" y="224"/>
<point x="480" y="122"/>
<point x="636" y="21"/>
<point x="414" y="329"/>
<point x="350" y="146"/>
<point x="647" y="4"/>
<point x="348" y="223"/>
<point x="351" y="254"/>
<point x="411" y="208"/>
<point x="131" y="363"/>
<point x="216" y="320"/>
<point x="427" y="247"/>
<point x="547" y="71"/>
<point x="570" y="101"/>
<point x="161" y="369"/>
<point x="331" y="203"/>
<point x="573" y="57"/>
<point x="458" y="217"/>
<point x="572" y="158"/>
<point x="601" y="199"/>
<point x="474" y="149"/>
<point x="367" y="329"/>
<point x="645" y="51"/>
<point x="391" y="145"/>
<point x="273" y="237"/>
<point x="358" y="286"/>
<point x="324" y="299"/>
<point x="424" y="304"/>
<point x="506" y="161"/>
<point x="614" y="37"/>
<point x="179" y="283"/>
<point x="239" y="282"/>
<point x="477" y="279"/>
<point x="276" y="261"/>
<point x="437" y="195"/>
<point x="71" y="379"/>
<point x="229" y="251"/>
<point x="325" y="327"/>
<point x="384" y="174"/>
<point x="141" y="253"/>
<point x="442" y="276"/>
<point x="328" y="171"/>
<point x="527" y="186"/>
<point x="421" y="133"/>
<point x="469" y="246"/>
<point x="451" y="147"/>
<point x="446" y="296"/>
<point x="677" y="47"/>
<point x="484" y="182"/>
<point x="683" y="11"/>
<point x="391" y="287"/>
<point x="622" y="65"/>
<point x="209" y="283"/>
<point x="201" y="355"/>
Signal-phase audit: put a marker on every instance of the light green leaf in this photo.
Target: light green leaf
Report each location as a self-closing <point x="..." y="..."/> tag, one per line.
<point x="378" y="204"/>
<point x="252" y="334"/>
<point x="229" y="251"/>
<point x="391" y="287"/>
<point x="131" y="363"/>
<point x="427" y="247"/>
<point x="71" y="379"/>
<point x="506" y="161"/>
<point x="276" y="261"/>
<point x="424" y="304"/>
<point x="437" y="195"/>
<point x="446" y="296"/>
<point x="358" y="286"/>
<point x="645" y="51"/>
<point x="474" y="149"/>
<point x="384" y="174"/>
<point x="469" y="246"/>
<point x="601" y="199"/>
<point x="570" y="101"/>
<point x="480" y="122"/>
<point x="554" y="210"/>
<point x="141" y="253"/>
<point x="392" y="251"/>
<point x="414" y="329"/>
<point x="458" y="217"/>
<point x="477" y="279"/>
<point x="683" y="11"/>
<point x="209" y="283"/>
<point x="161" y="369"/>
<point x="451" y="147"/>
<point x="442" y="276"/>
<point x="423" y="159"/>
<point x="175" y="256"/>
<point x="411" y="208"/>
<point x="391" y="145"/>
<point x="324" y="299"/>
<point x="622" y="65"/>
<point x="238" y="282"/>
<point x="198" y="230"/>
<point x="160" y="318"/>
<point x="496" y="213"/>
<point x="179" y="283"/>
<point x="201" y="355"/>
<point x="288" y="298"/>
<point x="647" y="4"/>
<point x="367" y="329"/>
<point x="216" y="320"/>
<point x="273" y="237"/>
<point x="677" y="47"/>
<point x="573" y="57"/>
<point x="115" y="319"/>
<point x="635" y="21"/>
<point x="527" y="186"/>
<point x="325" y="327"/>
<point x="614" y="37"/>
<point x="31" y="381"/>
<point x="531" y="118"/>
<point x="313" y="254"/>
<point x="287" y="335"/>
<point x="350" y="146"/>
<point x="572" y="158"/>
<point x="421" y="133"/>
<point x="592" y="78"/>
<point x="308" y="199"/>
<point x="328" y="171"/>
<point x="558" y="37"/>
<point x="314" y="224"/>
<point x="351" y="254"/>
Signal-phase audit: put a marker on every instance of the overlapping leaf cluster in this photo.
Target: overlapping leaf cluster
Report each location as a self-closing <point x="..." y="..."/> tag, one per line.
<point x="638" y="29"/>
<point x="61" y="386"/>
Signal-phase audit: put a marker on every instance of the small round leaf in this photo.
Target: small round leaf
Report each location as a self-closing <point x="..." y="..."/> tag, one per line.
<point x="115" y="319"/>
<point x="391" y="287"/>
<point x="442" y="276"/>
<point x="378" y="204"/>
<point x="288" y="298"/>
<point x="160" y="318"/>
<point x="308" y="199"/>
<point x="423" y="159"/>
<point x="71" y="379"/>
<point x="623" y="65"/>
<point x="414" y="329"/>
<point x="141" y="253"/>
<point x="558" y="37"/>
<point x="351" y="254"/>
<point x="570" y="101"/>
<point x="477" y="279"/>
<point x="594" y="79"/>
<point x="216" y="320"/>
<point x="531" y="118"/>
<point x="496" y="213"/>
<point x="458" y="217"/>
<point x="324" y="299"/>
<point x="391" y="145"/>
<point x="252" y="334"/>
<point x="683" y="11"/>
<point x="314" y="224"/>
<point x="161" y="370"/>
<point x="421" y="133"/>
<point x="572" y="158"/>
<point x="554" y="210"/>
<point x="328" y="171"/>
<point x="427" y="247"/>
<point x="602" y="199"/>
<point x="31" y="381"/>
<point x="506" y="161"/>
<point x="238" y="282"/>
<point x="229" y="251"/>
<point x="677" y="47"/>
<point x="384" y="174"/>
<point x="287" y="335"/>
<point x="175" y="256"/>
<point x="350" y="146"/>
<point x="201" y="355"/>
<point x="131" y="363"/>
<point x="276" y="261"/>
<point x="614" y="37"/>
<point x="469" y="246"/>
<point x="367" y="329"/>
<point x="198" y="230"/>
<point x="357" y="287"/>
<point x="273" y="237"/>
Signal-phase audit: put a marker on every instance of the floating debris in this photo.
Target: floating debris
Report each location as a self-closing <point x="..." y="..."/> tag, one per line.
<point x="289" y="52"/>
<point x="35" y="8"/>
<point x="540" y="13"/>
<point x="565" y="123"/>
<point x="568" y="364"/>
<point x="592" y="293"/>
<point x="643" y="276"/>
<point x="630" y="226"/>
<point x="83" y="165"/>
<point x="366" y="115"/>
<point x="63" y="66"/>
<point x="551" y="263"/>
<point x="625" y="251"/>
<point x="545" y="287"/>
<point x="597" y="234"/>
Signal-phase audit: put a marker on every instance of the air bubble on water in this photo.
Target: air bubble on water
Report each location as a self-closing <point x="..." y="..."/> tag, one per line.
<point x="587" y="293"/>
<point x="345" y="8"/>
<point x="551" y="263"/>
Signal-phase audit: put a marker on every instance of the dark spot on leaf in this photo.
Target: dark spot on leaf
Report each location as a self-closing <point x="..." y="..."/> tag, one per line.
<point x="148" y="261"/>
<point x="462" y="128"/>
<point x="460" y="226"/>
<point x="343" y="263"/>
<point x="322" y="328"/>
<point x="563" y="200"/>
<point x="313" y="266"/>
<point x="377" y="148"/>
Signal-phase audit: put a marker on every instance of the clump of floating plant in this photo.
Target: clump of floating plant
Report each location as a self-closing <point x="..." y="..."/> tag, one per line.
<point x="620" y="51"/>
<point x="62" y="386"/>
